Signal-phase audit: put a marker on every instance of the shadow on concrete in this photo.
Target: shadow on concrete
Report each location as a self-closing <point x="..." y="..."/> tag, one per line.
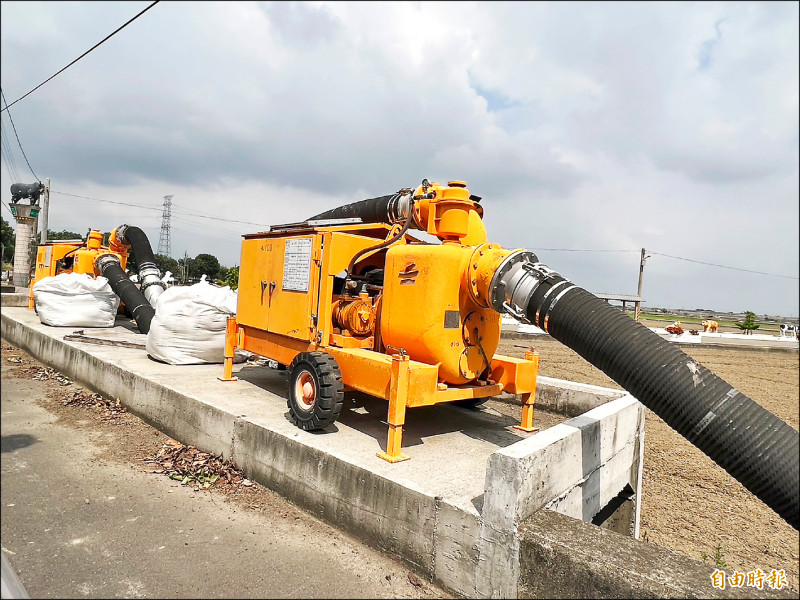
<point x="16" y="441"/>
<point x="368" y="414"/>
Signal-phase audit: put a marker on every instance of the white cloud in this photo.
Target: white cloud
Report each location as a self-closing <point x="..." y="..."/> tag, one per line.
<point x="583" y="125"/>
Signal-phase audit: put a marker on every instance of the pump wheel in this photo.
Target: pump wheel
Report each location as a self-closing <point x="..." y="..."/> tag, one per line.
<point x="315" y="390"/>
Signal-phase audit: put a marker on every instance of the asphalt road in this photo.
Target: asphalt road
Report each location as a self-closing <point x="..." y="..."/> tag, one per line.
<point x="79" y="522"/>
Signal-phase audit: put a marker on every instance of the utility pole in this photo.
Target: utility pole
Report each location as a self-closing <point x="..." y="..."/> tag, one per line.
<point x="45" y="211"/>
<point x="638" y="304"/>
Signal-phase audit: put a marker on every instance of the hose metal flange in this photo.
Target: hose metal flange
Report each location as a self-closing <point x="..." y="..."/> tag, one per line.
<point x="103" y="259"/>
<point x="513" y="284"/>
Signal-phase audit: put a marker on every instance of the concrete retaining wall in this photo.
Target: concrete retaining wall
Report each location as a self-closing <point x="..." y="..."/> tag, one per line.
<point x="14" y="299"/>
<point x="474" y="545"/>
<point x="561" y="557"/>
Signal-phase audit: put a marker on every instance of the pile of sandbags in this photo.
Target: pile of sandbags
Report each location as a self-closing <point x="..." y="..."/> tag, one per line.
<point x="189" y="325"/>
<point x="75" y="300"/>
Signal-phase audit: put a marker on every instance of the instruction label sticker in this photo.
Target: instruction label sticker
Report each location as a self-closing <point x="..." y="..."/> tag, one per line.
<point x="297" y="265"/>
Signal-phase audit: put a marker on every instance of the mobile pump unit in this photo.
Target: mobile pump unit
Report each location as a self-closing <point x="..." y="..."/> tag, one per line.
<point x="350" y="299"/>
<point x="365" y="305"/>
<point x="92" y="258"/>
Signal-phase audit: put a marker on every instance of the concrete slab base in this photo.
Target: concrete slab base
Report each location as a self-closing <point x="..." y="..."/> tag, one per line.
<point x="453" y="510"/>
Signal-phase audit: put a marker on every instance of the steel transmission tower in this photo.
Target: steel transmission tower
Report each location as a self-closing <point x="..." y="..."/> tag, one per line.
<point x="164" y="245"/>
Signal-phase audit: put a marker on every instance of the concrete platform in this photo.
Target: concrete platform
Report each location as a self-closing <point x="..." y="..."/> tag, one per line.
<point x="731" y="340"/>
<point x="454" y="510"/>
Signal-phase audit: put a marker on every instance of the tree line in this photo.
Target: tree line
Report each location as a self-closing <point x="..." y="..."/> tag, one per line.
<point x="184" y="270"/>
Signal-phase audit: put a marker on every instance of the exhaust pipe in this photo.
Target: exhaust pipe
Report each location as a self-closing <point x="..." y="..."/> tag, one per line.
<point x="753" y="445"/>
<point x="149" y="275"/>
<point x="110" y="268"/>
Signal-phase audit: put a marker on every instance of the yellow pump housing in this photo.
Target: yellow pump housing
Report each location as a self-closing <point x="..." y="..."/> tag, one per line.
<point x="77" y="256"/>
<point x="400" y="318"/>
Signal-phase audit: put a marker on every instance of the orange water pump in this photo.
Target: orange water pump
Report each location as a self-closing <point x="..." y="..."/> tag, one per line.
<point x="350" y="299"/>
<point x="75" y="256"/>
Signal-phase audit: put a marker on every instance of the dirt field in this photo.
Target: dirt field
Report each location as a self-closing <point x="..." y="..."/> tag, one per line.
<point x="690" y="504"/>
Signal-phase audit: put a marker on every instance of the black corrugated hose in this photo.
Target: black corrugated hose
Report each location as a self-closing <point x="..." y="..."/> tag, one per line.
<point x="753" y="445"/>
<point x="123" y="287"/>
<point x="140" y="248"/>
<point x="371" y="210"/>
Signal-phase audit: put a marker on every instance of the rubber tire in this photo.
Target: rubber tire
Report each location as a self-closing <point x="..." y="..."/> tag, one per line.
<point x="329" y="389"/>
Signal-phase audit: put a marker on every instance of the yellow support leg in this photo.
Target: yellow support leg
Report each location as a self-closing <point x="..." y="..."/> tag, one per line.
<point x="529" y="398"/>
<point x="230" y="350"/>
<point x="398" y="397"/>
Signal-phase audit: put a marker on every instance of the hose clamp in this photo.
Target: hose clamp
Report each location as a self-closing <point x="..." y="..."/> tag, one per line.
<point x="157" y="282"/>
<point x="103" y="259"/>
<point x="121" y="234"/>
<point x="400" y="206"/>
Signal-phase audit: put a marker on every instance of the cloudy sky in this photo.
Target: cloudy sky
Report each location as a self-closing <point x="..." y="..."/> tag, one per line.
<point x="590" y="130"/>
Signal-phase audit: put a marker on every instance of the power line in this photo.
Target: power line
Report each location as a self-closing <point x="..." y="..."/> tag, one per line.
<point x="174" y="212"/>
<point x="101" y="200"/>
<point x="15" y="134"/>
<point x="670" y="256"/>
<point x="84" y="54"/>
<point x="723" y="266"/>
<point x="8" y="156"/>
<point x="579" y="250"/>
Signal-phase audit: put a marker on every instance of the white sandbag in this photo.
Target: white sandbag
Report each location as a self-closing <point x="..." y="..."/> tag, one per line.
<point x="189" y="325"/>
<point x="75" y="300"/>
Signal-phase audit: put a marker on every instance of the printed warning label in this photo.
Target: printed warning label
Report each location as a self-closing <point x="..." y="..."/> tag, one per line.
<point x="297" y="265"/>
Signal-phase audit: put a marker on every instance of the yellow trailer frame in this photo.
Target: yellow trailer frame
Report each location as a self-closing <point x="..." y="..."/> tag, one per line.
<point x="405" y="383"/>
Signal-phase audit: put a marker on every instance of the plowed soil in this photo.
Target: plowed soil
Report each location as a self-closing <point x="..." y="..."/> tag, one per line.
<point x="689" y="503"/>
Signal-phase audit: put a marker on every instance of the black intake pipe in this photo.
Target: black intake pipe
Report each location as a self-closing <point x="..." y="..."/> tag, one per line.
<point x="143" y="313"/>
<point x="383" y="209"/>
<point x="149" y="274"/>
<point x="753" y="445"/>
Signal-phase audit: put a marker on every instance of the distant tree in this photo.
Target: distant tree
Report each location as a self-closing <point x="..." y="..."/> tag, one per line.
<point x="8" y="239"/>
<point x="208" y="265"/>
<point x="167" y="263"/>
<point x="232" y="278"/>
<point x="749" y="325"/>
<point x="64" y="235"/>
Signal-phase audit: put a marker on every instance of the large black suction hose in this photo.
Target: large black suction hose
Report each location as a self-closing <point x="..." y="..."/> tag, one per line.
<point x="143" y="313"/>
<point x="149" y="274"/>
<point x="753" y="445"/>
<point x="383" y="209"/>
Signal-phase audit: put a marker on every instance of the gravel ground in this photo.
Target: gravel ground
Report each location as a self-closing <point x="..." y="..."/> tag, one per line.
<point x="92" y="508"/>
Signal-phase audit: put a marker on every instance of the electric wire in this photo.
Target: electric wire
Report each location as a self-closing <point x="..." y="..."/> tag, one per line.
<point x="579" y="250"/>
<point x="8" y="112"/>
<point x="8" y="156"/>
<point x="722" y="266"/>
<point x="671" y="256"/>
<point x="160" y="209"/>
<point x="108" y="201"/>
<point x="82" y="55"/>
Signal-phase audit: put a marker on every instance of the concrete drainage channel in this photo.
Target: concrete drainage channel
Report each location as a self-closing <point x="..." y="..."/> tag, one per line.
<point x="466" y="509"/>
